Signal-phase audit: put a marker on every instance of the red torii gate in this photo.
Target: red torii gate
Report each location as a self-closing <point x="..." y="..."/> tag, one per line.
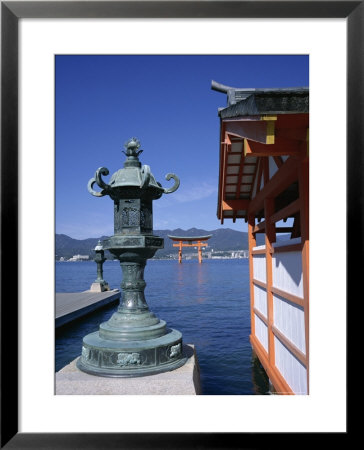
<point x="190" y="241"/>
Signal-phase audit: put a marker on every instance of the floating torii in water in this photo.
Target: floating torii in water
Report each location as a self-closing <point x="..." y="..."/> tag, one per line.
<point x="190" y="241"/>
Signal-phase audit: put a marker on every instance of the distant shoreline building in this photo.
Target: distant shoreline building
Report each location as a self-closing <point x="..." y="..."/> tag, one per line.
<point x="79" y="258"/>
<point x="263" y="179"/>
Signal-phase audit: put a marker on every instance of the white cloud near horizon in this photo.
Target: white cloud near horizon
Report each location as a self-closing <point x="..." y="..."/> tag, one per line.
<point x="189" y="193"/>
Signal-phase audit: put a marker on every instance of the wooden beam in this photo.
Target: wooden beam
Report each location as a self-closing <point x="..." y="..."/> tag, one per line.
<point x="270" y="132"/>
<point x="223" y="181"/>
<point x="290" y="297"/>
<point x="260" y="251"/>
<point x="227" y="139"/>
<point x="182" y="244"/>
<point x="261" y="316"/>
<point x="284" y="229"/>
<point x="296" y="232"/>
<point x="287" y="248"/>
<point x="258" y="131"/>
<point x="260" y="283"/>
<point x="281" y="147"/>
<point x="292" y="121"/>
<point x="265" y="169"/>
<point x="278" y="160"/>
<point x="298" y="134"/>
<point x="290" y="345"/>
<point x="235" y="204"/>
<point x="251" y="118"/>
<point x="283" y="178"/>
<point x="288" y="211"/>
<point x="260" y="173"/>
<point x="221" y="171"/>
<point x="268" y="117"/>
<point x="240" y="175"/>
<point x="278" y="230"/>
<point x="260" y="227"/>
<point x="254" y="176"/>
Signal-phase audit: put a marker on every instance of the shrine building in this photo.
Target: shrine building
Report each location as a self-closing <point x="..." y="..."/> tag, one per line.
<point x="264" y="180"/>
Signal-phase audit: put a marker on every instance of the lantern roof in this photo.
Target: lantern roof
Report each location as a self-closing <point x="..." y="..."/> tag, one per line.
<point x="133" y="174"/>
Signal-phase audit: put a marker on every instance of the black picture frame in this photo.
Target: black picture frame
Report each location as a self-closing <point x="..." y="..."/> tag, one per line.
<point x="11" y="12"/>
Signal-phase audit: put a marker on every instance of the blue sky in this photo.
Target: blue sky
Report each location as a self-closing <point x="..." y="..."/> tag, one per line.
<point x="165" y="101"/>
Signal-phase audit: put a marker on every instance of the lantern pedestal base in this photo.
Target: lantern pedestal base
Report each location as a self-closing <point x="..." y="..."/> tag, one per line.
<point x="114" y="358"/>
<point x="183" y="381"/>
<point x="99" y="287"/>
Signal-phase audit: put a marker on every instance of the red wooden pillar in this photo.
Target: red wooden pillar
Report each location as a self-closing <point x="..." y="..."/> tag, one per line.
<point x="199" y="244"/>
<point x="252" y="244"/>
<point x="270" y="237"/>
<point x="303" y="179"/>
<point x="180" y="252"/>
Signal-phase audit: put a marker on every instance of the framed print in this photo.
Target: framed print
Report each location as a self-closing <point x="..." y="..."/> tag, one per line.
<point x="339" y="216"/>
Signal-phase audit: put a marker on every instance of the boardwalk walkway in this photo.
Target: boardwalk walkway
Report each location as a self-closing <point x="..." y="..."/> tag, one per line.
<point x="71" y="306"/>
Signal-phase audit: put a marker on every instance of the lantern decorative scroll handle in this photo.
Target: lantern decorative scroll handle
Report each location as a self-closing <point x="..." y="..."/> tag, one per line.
<point x="99" y="181"/>
<point x="145" y="173"/>
<point x="176" y="183"/>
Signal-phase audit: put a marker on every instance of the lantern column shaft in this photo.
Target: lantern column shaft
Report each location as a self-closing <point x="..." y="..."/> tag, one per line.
<point x="133" y="286"/>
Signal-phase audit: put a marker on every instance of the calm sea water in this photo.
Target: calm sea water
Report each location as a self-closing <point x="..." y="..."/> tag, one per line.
<point x="208" y="303"/>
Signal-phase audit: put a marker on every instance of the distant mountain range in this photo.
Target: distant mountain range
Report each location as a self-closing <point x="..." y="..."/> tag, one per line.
<point x="221" y="240"/>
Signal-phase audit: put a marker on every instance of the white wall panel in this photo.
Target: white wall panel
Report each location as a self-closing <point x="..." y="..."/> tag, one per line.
<point x="287" y="272"/>
<point x="290" y="321"/>
<point x="261" y="332"/>
<point x="292" y="370"/>
<point x="260" y="299"/>
<point x="259" y="268"/>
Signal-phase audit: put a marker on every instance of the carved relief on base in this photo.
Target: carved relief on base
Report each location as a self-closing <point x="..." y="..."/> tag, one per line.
<point x="175" y="350"/>
<point x="128" y="359"/>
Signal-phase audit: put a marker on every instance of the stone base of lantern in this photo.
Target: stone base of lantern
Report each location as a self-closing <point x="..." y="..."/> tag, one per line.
<point x="115" y="358"/>
<point x="99" y="287"/>
<point x="182" y="381"/>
